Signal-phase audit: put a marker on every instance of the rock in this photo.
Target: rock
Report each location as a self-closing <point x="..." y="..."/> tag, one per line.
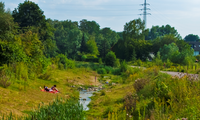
<point x="84" y="99"/>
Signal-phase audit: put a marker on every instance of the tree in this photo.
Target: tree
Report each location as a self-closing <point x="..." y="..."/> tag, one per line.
<point x="170" y="52"/>
<point x="2" y="7"/>
<point x="29" y="14"/>
<point x="192" y="38"/>
<point x="110" y="59"/>
<point x="74" y="42"/>
<point x="83" y="47"/>
<point x="159" y="42"/>
<point x="92" y="47"/>
<point x="7" y="25"/>
<point x="135" y="29"/>
<point x="90" y="27"/>
<point x="111" y="36"/>
<point x="157" y="31"/>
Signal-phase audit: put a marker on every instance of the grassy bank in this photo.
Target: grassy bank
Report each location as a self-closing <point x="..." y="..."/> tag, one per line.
<point x="20" y="99"/>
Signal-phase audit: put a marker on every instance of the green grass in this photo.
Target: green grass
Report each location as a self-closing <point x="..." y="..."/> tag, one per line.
<point x="59" y="109"/>
<point x="18" y="98"/>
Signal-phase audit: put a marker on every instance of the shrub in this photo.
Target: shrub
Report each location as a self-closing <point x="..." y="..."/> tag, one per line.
<point x="84" y="57"/>
<point x="110" y="59"/>
<point x="123" y="66"/>
<point x="108" y="69"/>
<point x="102" y="93"/>
<point x="140" y="83"/>
<point x="116" y="71"/>
<point x="63" y="61"/>
<point x="100" y="61"/>
<point x="101" y="71"/>
<point x="4" y="81"/>
<point x="130" y="101"/>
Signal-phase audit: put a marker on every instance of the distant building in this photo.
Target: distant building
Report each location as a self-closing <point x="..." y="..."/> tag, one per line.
<point x="196" y="47"/>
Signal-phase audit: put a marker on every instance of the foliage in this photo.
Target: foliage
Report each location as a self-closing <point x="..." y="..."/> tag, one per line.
<point x="110" y="59"/>
<point x="84" y="57"/>
<point x="29" y="14"/>
<point x="156" y="32"/>
<point x="134" y="29"/>
<point x="57" y="110"/>
<point x="101" y="71"/>
<point x="172" y="53"/>
<point x="62" y="60"/>
<point x="191" y="38"/>
<point x="123" y="66"/>
<point x="92" y="47"/>
<point x="4" y="81"/>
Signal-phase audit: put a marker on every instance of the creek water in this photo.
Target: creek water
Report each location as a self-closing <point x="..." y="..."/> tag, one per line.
<point x="84" y="98"/>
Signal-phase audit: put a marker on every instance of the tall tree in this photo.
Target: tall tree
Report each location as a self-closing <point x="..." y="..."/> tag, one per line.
<point x="157" y="31"/>
<point x="83" y="47"/>
<point x="135" y="29"/>
<point x="192" y="38"/>
<point x="74" y="42"/>
<point x="29" y="14"/>
<point x="2" y="7"/>
<point x="92" y="47"/>
<point x="90" y="27"/>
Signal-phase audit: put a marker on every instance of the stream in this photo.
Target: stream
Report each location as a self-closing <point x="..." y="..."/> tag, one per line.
<point x="84" y="98"/>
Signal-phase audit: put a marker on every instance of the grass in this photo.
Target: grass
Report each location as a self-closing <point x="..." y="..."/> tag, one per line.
<point x="19" y="99"/>
<point x="148" y="94"/>
<point x="101" y="105"/>
<point x="59" y="109"/>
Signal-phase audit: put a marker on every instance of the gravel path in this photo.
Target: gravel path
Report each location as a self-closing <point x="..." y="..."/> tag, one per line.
<point x="179" y="74"/>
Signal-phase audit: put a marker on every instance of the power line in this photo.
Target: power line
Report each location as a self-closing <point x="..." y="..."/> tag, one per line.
<point x="145" y="12"/>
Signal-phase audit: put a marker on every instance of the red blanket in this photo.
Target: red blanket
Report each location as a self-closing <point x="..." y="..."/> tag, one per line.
<point x="50" y="91"/>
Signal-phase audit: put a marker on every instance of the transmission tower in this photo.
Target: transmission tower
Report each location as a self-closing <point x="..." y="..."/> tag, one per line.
<point x="145" y="12"/>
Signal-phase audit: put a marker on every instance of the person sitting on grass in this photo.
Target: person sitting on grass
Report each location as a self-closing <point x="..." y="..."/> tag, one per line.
<point x="46" y="88"/>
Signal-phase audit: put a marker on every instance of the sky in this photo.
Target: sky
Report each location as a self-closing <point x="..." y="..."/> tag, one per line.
<point x="184" y="15"/>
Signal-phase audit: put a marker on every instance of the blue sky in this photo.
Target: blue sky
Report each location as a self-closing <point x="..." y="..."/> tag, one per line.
<point x="184" y="15"/>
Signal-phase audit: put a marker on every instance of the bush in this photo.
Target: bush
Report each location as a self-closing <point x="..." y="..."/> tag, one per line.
<point x="63" y="61"/>
<point x="116" y="71"/>
<point x="100" y="61"/>
<point x="140" y="83"/>
<point x="108" y="69"/>
<point x="123" y="66"/>
<point x="101" y="71"/>
<point x="4" y="81"/>
<point x="110" y="59"/>
<point x="84" y="57"/>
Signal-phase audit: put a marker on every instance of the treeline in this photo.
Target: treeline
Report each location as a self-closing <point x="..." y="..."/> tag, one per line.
<point x="27" y="36"/>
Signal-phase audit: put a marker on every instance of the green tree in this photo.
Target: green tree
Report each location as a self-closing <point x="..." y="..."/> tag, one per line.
<point x="161" y="41"/>
<point x="110" y="59"/>
<point x="29" y="14"/>
<point x="2" y="7"/>
<point x="157" y="31"/>
<point x="170" y="52"/>
<point x="111" y="36"/>
<point x="92" y="47"/>
<point x="74" y="42"/>
<point x="90" y="27"/>
<point x="192" y="38"/>
<point x="135" y="29"/>
<point x="83" y="47"/>
<point x="103" y="45"/>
